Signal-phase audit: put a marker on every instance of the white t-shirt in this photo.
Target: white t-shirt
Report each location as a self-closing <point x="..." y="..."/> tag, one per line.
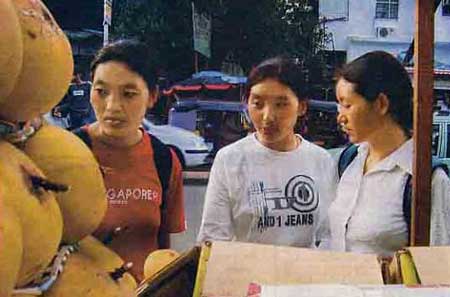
<point x="367" y="214"/>
<point x="256" y="194"/>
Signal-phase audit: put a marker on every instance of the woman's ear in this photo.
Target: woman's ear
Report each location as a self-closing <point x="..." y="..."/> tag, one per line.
<point x="382" y="104"/>
<point x="302" y="108"/>
<point x="152" y="97"/>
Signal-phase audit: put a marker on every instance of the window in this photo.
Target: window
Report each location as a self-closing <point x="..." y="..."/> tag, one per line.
<point x="448" y="142"/>
<point x="386" y="9"/>
<point x="332" y="10"/>
<point x="435" y="140"/>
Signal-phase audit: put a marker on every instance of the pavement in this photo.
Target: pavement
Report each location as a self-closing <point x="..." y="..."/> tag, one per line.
<point x="194" y="195"/>
<point x="196" y="177"/>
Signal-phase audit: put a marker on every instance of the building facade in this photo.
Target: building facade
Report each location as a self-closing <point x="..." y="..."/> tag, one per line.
<point x="359" y="26"/>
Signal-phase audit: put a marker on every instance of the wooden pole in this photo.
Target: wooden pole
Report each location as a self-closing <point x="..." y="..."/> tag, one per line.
<point x="423" y="117"/>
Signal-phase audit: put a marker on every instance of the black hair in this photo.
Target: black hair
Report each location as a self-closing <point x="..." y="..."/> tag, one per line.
<point x="379" y="72"/>
<point x="135" y="54"/>
<point x="283" y="70"/>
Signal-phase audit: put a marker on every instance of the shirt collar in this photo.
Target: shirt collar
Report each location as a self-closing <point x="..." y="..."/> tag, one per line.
<point x="401" y="157"/>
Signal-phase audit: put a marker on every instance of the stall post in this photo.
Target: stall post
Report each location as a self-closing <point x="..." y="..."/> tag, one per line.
<point x="423" y="117"/>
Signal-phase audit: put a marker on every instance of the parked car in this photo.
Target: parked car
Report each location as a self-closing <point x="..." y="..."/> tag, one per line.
<point x="190" y="148"/>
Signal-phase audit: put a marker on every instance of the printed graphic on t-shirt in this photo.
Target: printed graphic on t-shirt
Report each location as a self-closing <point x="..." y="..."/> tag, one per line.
<point x="123" y="196"/>
<point x="292" y="207"/>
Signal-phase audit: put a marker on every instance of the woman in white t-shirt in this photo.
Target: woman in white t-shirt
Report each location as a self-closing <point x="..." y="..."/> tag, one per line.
<point x="374" y="93"/>
<point x="272" y="186"/>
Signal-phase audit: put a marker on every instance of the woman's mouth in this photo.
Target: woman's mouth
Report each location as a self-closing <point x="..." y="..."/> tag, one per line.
<point x="113" y="121"/>
<point x="344" y="129"/>
<point x="268" y="130"/>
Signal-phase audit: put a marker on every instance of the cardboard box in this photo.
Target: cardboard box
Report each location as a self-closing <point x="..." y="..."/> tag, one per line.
<point x="227" y="268"/>
<point x="432" y="264"/>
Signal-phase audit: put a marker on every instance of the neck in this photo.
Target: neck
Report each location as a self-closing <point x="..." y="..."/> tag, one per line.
<point x="126" y="141"/>
<point x="385" y="141"/>
<point x="287" y="144"/>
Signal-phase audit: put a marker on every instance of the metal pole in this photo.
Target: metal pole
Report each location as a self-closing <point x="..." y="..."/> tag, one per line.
<point x="194" y="33"/>
<point x="107" y="15"/>
<point x="105" y="34"/>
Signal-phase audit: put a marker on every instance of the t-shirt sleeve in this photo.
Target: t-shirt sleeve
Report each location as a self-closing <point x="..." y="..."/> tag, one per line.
<point x="440" y="209"/>
<point x="173" y="217"/>
<point x="217" y="219"/>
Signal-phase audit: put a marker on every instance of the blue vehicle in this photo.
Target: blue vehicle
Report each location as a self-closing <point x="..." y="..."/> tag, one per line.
<point x="219" y="122"/>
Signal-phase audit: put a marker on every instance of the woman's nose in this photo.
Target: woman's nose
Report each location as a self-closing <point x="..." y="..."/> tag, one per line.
<point x="341" y="119"/>
<point x="112" y="102"/>
<point x="268" y="114"/>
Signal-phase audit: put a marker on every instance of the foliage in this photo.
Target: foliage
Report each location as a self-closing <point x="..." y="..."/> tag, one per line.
<point x="249" y="31"/>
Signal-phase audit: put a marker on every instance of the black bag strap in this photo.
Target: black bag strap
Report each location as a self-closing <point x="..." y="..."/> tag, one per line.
<point x="161" y="156"/>
<point x="407" y="204"/>
<point x="407" y="194"/>
<point x="346" y="157"/>
<point x="163" y="163"/>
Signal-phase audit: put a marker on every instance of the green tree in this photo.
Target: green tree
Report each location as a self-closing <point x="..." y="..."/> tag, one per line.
<point x="165" y="24"/>
<point x="250" y="30"/>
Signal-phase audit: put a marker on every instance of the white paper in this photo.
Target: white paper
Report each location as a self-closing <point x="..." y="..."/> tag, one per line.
<point x="351" y="291"/>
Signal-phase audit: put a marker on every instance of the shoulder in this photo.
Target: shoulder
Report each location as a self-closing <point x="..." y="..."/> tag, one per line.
<point x="237" y="147"/>
<point x="440" y="176"/>
<point x="317" y="152"/>
<point x="154" y="140"/>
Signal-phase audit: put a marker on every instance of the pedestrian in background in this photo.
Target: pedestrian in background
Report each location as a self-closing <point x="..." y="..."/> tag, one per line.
<point x="273" y="186"/>
<point x="123" y="88"/>
<point x="374" y="93"/>
<point x="76" y="106"/>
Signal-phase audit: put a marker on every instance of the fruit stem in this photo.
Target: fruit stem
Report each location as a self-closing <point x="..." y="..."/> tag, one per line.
<point x="119" y="272"/>
<point x="39" y="182"/>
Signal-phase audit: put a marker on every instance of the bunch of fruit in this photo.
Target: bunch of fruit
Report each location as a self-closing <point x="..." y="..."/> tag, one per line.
<point x="52" y="195"/>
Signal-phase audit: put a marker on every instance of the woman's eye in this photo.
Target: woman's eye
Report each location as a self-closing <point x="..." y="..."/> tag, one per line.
<point x="101" y="92"/>
<point x="343" y="106"/>
<point x="129" y="94"/>
<point x="256" y="104"/>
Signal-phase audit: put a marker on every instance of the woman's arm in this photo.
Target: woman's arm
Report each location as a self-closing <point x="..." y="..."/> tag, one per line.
<point x="440" y="209"/>
<point x="217" y="219"/>
<point x="172" y="214"/>
<point x="323" y="233"/>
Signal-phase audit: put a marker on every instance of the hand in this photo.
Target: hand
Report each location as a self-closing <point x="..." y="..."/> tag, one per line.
<point x="56" y="112"/>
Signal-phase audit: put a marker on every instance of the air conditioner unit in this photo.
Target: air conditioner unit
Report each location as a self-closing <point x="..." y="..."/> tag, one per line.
<point x="384" y="32"/>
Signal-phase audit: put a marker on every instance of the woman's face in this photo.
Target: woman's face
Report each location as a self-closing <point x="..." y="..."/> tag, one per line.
<point x="120" y="98"/>
<point x="358" y="117"/>
<point x="274" y="109"/>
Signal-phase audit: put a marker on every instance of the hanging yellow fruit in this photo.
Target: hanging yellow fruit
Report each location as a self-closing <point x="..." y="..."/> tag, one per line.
<point x="36" y="208"/>
<point x="46" y="65"/>
<point x="11" y="49"/>
<point x="10" y="248"/>
<point x="65" y="159"/>
<point x="82" y="278"/>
